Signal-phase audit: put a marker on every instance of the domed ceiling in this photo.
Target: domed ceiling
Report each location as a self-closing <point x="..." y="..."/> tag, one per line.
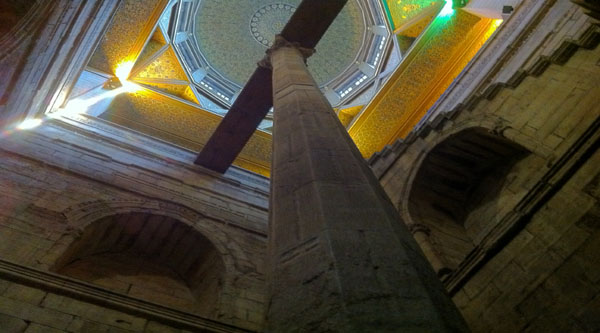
<point x="219" y="43"/>
<point x="170" y="69"/>
<point x="232" y="35"/>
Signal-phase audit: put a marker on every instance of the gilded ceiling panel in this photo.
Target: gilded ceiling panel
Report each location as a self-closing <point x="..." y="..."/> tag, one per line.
<point x="165" y="66"/>
<point x="169" y="88"/>
<point x="126" y="36"/>
<point x="346" y="115"/>
<point x="189" y="95"/>
<point x="419" y="26"/>
<point x="403" y="101"/>
<point x="402" y="11"/>
<point x="190" y="127"/>
<point x="150" y="50"/>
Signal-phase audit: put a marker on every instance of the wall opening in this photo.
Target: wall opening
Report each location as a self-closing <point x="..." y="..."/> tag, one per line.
<point x="455" y="192"/>
<point x="152" y="257"/>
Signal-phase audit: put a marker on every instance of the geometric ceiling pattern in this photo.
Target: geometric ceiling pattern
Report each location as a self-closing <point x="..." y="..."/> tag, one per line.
<point x="219" y="43"/>
<point x="165" y="93"/>
<point x="437" y="57"/>
<point x="232" y="48"/>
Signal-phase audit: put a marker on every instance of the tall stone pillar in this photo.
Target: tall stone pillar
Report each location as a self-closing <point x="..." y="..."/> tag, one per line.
<point x="340" y="257"/>
<point x="421" y="234"/>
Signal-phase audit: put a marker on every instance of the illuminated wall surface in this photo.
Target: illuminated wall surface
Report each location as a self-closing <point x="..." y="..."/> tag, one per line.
<point x="161" y="101"/>
<point x="439" y="55"/>
<point x="401" y="11"/>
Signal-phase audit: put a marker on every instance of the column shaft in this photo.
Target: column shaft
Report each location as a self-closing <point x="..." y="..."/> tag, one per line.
<point x="341" y="258"/>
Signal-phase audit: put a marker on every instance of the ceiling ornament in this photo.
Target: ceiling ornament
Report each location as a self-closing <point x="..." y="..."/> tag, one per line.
<point x="347" y="60"/>
<point x="268" y="21"/>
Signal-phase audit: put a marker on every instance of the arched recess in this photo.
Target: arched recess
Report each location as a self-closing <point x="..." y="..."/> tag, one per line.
<point x="459" y="190"/>
<point x="153" y="257"/>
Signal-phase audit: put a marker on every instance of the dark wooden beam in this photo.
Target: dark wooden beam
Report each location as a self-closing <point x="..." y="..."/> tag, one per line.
<point x="311" y="20"/>
<point x="240" y="122"/>
<point x="307" y="26"/>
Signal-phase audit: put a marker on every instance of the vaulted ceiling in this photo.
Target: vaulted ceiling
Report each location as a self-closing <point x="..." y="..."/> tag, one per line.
<point x="181" y="64"/>
<point x="232" y="35"/>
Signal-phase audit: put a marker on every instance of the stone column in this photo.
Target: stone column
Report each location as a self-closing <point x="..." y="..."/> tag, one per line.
<point x="340" y="257"/>
<point x="421" y="234"/>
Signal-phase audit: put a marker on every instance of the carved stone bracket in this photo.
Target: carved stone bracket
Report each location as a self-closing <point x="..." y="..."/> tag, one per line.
<point x="418" y="227"/>
<point x="282" y="42"/>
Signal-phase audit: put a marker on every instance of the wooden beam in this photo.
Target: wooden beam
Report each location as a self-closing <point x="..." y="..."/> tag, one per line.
<point x="240" y="122"/>
<point x="307" y="26"/>
<point x="311" y="20"/>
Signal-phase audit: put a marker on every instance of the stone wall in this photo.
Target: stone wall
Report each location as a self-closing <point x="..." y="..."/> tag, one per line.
<point x="29" y="309"/>
<point x="60" y="188"/>
<point x="518" y="250"/>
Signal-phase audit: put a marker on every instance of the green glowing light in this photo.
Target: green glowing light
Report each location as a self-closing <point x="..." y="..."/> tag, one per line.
<point x="388" y="13"/>
<point x="447" y="10"/>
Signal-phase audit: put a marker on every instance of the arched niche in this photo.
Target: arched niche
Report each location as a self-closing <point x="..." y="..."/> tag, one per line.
<point x="153" y="257"/>
<point x="460" y="190"/>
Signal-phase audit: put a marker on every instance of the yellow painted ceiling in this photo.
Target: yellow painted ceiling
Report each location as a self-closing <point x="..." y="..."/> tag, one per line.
<point x="402" y="11"/>
<point x="167" y="105"/>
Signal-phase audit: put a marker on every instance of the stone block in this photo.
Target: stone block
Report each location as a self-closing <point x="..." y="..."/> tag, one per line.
<point x="542" y="266"/>
<point x="587" y="107"/>
<point x="530" y="252"/>
<point x="497" y="264"/>
<point x="9" y="324"/>
<point x="94" y="313"/>
<point x="4" y="285"/>
<point x="477" y="306"/>
<point x="512" y="279"/>
<point x="25" y="294"/>
<point x="570" y="283"/>
<point x="93" y="327"/>
<point x="156" y="327"/>
<point x="535" y="304"/>
<point x="554" y="219"/>
<point x="588" y="258"/>
<point x="589" y="315"/>
<point x="33" y="313"/>
<point x="558" y="116"/>
<point x="573" y="238"/>
<point x="256" y="317"/>
<point x="461" y="299"/>
<point x="36" y="328"/>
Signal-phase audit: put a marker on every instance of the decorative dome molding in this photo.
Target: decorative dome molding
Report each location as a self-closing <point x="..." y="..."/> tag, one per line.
<point x="219" y="55"/>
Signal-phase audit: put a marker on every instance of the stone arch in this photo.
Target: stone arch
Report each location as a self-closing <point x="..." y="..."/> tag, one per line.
<point x="107" y="217"/>
<point x="81" y="215"/>
<point x="455" y="182"/>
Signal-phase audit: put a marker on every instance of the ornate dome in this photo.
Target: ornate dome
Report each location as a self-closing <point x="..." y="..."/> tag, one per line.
<point x="231" y="47"/>
<point x="219" y="43"/>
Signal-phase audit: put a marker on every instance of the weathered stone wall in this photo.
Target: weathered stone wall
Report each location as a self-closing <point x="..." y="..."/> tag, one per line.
<point x="60" y="184"/>
<point x="29" y="309"/>
<point x="56" y="183"/>
<point x="533" y="263"/>
<point x="546" y="279"/>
